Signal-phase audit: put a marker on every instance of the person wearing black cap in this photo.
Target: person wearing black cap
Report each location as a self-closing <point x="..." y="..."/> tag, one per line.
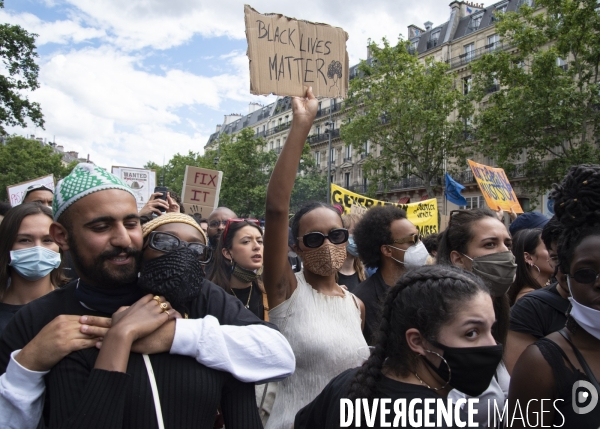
<point x="39" y="193"/>
<point x="528" y="220"/>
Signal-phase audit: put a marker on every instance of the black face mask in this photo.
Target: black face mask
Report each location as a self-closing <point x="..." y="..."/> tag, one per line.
<point x="177" y="276"/>
<point x="471" y="369"/>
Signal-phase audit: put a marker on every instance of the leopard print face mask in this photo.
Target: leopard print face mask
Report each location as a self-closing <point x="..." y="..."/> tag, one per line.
<point x="325" y="260"/>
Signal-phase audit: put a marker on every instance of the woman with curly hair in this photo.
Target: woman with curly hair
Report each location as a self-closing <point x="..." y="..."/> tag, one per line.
<point x="435" y="335"/>
<point x="551" y="368"/>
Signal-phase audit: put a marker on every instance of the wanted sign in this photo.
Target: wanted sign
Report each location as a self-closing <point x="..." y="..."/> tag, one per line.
<point x="287" y="56"/>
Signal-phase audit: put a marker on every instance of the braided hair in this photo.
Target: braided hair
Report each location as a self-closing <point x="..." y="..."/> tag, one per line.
<point x="577" y="208"/>
<point x="425" y="298"/>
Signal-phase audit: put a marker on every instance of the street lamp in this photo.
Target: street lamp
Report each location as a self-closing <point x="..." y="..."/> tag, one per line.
<point x="329" y="130"/>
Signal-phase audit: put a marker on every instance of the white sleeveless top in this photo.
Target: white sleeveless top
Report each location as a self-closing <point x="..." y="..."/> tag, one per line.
<point x="325" y="334"/>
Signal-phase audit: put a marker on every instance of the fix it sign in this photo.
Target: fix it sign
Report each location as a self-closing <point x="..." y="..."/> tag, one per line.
<point x="201" y="189"/>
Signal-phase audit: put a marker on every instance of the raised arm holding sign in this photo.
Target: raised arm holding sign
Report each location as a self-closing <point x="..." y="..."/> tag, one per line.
<point x="495" y="187"/>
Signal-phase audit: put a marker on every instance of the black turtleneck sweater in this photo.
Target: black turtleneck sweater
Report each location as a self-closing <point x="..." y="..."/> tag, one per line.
<point x="79" y="396"/>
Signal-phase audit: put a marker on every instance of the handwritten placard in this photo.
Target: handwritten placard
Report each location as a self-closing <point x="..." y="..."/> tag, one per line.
<point x="201" y="189"/>
<point x="495" y="187"/>
<point x="287" y="56"/>
<point x="141" y="181"/>
<point x="424" y="214"/>
<point x="16" y="192"/>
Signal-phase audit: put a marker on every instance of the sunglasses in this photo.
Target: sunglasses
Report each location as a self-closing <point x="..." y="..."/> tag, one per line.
<point x="413" y="239"/>
<point x="236" y="220"/>
<point x="217" y="223"/>
<point x="586" y="276"/>
<point x="316" y="239"/>
<point x="167" y="242"/>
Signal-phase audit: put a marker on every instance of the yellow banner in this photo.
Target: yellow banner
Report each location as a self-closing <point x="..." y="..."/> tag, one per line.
<point x="495" y="187"/>
<point x="424" y="214"/>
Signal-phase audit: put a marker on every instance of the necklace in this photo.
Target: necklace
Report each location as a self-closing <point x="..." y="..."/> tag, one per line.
<point x="427" y="385"/>
<point x="249" y="295"/>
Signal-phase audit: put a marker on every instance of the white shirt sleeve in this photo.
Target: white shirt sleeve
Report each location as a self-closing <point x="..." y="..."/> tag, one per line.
<point x="252" y="353"/>
<point x="21" y="396"/>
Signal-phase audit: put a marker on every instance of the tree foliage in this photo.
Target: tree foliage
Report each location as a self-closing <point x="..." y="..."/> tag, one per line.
<point x="172" y="173"/>
<point x="411" y="110"/>
<point x="544" y="114"/>
<point x="22" y="159"/>
<point x="18" y="54"/>
<point x="246" y="168"/>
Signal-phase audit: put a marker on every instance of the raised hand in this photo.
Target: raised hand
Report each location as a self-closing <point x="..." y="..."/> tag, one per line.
<point x="305" y="109"/>
<point x="154" y="205"/>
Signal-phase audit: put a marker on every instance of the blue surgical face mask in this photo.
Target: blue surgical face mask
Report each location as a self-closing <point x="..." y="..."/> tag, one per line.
<point x="351" y="248"/>
<point x="34" y="263"/>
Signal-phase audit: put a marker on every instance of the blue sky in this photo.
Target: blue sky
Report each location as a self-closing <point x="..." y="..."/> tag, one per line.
<point x="132" y="81"/>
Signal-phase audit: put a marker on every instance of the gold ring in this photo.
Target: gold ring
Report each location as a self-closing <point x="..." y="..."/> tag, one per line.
<point x="164" y="306"/>
<point x="167" y="311"/>
<point x="156" y="298"/>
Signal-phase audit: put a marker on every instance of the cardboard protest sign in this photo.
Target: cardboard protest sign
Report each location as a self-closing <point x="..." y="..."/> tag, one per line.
<point x="287" y="56"/>
<point x="357" y="210"/>
<point x="424" y="214"/>
<point x="201" y="189"/>
<point x="141" y="181"/>
<point x="495" y="187"/>
<point x="16" y="192"/>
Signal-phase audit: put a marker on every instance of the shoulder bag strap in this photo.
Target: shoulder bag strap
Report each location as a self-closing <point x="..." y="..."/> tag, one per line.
<point x="157" y="407"/>
<point x="581" y="360"/>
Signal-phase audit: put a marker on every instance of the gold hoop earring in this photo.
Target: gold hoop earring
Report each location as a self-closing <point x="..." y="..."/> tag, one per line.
<point x="449" y="372"/>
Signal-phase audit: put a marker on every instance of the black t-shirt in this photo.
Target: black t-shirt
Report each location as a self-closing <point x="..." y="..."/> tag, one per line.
<point x="372" y="292"/>
<point x="539" y="313"/>
<point x="351" y="281"/>
<point x="255" y="304"/>
<point x="324" y="411"/>
<point x="7" y="312"/>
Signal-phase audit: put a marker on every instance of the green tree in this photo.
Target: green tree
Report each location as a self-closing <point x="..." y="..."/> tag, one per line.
<point x="18" y="53"/>
<point x="309" y="183"/>
<point x="22" y="159"/>
<point x="409" y="108"/>
<point x="172" y="174"/>
<point x="246" y="171"/>
<point x="546" y="111"/>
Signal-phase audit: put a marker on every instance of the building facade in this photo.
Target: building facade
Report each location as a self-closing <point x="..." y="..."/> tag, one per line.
<point x="468" y="34"/>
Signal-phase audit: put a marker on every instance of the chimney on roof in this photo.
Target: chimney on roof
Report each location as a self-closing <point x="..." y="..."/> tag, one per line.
<point x="218" y="128"/>
<point x="428" y="25"/>
<point x="60" y="148"/>
<point x="231" y="118"/>
<point x="253" y="107"/>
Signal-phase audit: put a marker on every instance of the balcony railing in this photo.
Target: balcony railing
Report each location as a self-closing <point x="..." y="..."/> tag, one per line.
<point x="359" y="189"/>
<point x="278" y="150"/>
<point x="318" y="138"/>
<point x="348" y="159"/>
<point x="467" y="57"/>
<point x="335" y="108"/>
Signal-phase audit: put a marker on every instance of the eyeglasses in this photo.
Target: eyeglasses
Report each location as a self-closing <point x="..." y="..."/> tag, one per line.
<point x="316" y="239"/>
<point x="166" y="242"/>
<point x="236" y="220"/>
<point x="413" y="239"/>
<point x="216" y="223"/>
<point x="586" y="276"/>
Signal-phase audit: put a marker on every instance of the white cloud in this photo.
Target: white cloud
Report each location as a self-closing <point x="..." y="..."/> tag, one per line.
<point x="163" y="24"/>
<point x="61" y="32"/>
<point x="98" y="101"/>
<point x="107" y="101"/>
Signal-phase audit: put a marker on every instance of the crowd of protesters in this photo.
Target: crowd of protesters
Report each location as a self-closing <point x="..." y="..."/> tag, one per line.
<point x="112" y="317"/>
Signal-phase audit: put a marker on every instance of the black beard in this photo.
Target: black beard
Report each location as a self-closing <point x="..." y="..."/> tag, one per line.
<point x="177" y="276"/>
<point x="98" y="275"/>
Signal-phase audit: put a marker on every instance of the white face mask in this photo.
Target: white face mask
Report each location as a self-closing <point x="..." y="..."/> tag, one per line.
<point x="586" y="317"/>
<point x="414" y="256"/>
